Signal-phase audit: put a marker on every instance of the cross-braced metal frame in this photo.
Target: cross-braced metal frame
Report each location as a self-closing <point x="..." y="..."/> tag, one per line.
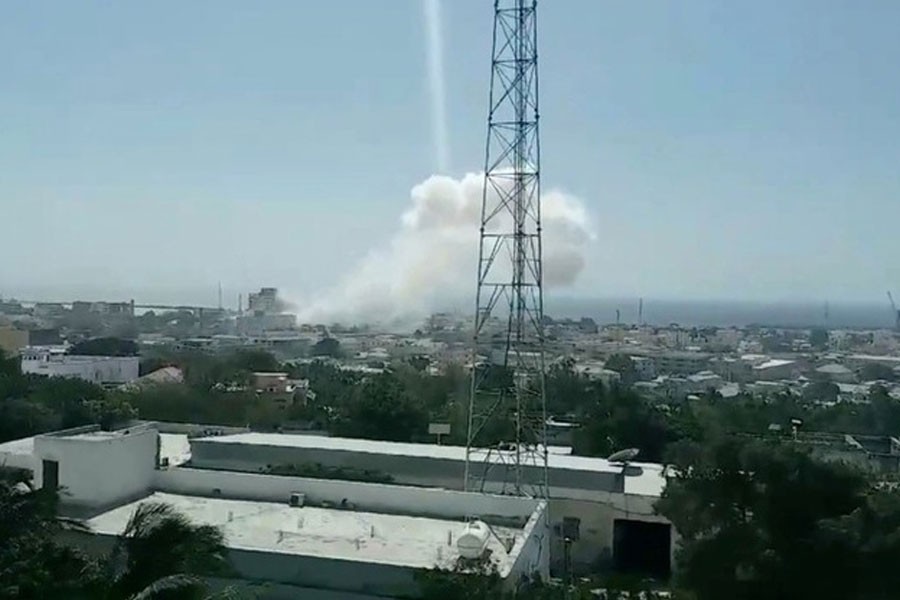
<point x="506" y="447"/>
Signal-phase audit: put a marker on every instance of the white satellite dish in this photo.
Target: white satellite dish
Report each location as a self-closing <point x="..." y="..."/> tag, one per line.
<point x="623" y="456"/>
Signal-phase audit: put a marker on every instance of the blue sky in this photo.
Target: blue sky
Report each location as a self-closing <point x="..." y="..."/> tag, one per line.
<point x="744" y="150"/>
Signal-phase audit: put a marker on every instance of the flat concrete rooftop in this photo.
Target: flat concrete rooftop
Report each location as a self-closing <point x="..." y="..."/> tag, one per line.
<point x="642" y="479"/>
<point x="175" y="447"/>
<point x="340" y="534"/>
<point x="24" y="446"/>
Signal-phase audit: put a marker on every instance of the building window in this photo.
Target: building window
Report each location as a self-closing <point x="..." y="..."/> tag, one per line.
<point x="571" y="528"/>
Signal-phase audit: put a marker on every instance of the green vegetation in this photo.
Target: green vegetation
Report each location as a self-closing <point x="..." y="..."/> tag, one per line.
<point x="762" y="520"/>
<point x="877" y="372"/>
<point x="31" y="404"/>
<point x="105" y="346"/>
<point x="320" y="471"/>
<point x="160" y="555"/>
<point x="327" y="347"/>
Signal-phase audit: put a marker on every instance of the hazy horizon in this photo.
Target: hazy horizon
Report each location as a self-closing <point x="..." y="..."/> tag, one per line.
<point x="720" y="312"/>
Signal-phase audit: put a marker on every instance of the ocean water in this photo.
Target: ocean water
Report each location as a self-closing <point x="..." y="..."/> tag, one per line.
<point x="725" y="313"/>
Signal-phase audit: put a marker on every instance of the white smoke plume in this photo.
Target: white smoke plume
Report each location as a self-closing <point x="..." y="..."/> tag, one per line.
<point x="430" y="263"/>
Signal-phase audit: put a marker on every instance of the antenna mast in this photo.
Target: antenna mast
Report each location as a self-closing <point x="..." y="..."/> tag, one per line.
<point x="506" y="448"/>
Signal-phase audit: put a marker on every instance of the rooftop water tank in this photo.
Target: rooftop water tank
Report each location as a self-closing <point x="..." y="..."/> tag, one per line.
<point x="473" y="540"/>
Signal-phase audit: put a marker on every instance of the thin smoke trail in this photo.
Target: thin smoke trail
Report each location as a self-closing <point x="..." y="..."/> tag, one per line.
<point x="435" y="53"/>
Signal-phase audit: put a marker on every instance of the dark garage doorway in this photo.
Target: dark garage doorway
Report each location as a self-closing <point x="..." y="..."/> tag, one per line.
<point x="642" y="548"/>
<point x="51" y="475"/>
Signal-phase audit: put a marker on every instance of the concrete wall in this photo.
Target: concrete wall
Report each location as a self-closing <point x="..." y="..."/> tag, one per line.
<point x="413" y="470"/>
<point x="197" y="429"/>
<point x="100" y="472"/>
<point x="595" y="498"/>
<point x="532" y="551"/>
<point x="366" y="496"/>
<point x="275" y="576"/>
<point x="594" y="549"/>
<point x="325" y="573"/>
<point x="96" y="369"/>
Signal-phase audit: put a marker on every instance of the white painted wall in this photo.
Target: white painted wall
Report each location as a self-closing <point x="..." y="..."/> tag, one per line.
<point x="100" y="471"/>
<point x="532" y="552"/>
<point x="96" y="369"/>
<point x="597" y="517"/>
<point x="371" y="496"/>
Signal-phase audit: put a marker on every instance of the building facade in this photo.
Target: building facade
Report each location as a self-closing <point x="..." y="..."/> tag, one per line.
<point x="590" y="496"/>
<point x="96" y="369"/>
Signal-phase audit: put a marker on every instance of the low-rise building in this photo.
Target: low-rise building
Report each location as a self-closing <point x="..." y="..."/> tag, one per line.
<point x="681" y="363"/>
<point x="298" y="537"/>
<point x="96" y="369"/>
<point x="837" y="373"/>
<point x="606" y="503"/>
<point x="774" y="369"/>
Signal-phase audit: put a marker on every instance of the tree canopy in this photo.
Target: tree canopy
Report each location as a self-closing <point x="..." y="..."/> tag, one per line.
<point x="105" y="346"/>
<point x="159" y="555"/>
<point x="759" y="520"/>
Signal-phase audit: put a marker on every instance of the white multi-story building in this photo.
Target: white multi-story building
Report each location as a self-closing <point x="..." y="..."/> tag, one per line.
<point x="96" y="369"/>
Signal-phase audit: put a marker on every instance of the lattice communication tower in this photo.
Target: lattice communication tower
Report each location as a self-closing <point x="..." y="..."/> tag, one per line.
<point x="506" y="447"/>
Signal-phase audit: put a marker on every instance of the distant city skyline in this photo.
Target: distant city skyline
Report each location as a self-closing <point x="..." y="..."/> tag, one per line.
<point x="718" y="151"/>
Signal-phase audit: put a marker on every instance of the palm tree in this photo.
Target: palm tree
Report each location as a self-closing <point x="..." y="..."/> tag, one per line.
<point x="161" y="554"/>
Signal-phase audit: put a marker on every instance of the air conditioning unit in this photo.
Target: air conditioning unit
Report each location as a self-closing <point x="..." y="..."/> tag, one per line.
<point x="297" y="499"/>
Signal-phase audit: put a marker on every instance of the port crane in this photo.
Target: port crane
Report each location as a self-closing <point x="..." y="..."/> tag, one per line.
<point x="896" y="312"/>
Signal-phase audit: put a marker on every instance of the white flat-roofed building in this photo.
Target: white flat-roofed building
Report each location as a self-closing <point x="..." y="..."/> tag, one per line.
<point x="340" y="549"/>
<point x="298" y="537"/>
<point x="774" y="369"/>
<point x="96" y="369"/>
<point x="595" y="496"/>
<point x="857" y="361"/>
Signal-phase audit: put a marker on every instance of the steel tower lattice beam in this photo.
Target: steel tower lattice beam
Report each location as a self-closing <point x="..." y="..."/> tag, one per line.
<point x="506" y="448"/>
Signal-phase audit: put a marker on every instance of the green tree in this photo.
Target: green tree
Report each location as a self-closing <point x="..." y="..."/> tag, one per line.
<point x="624" y="366"/>
<point x="381" y="409"/>
<point x="619" y="418"/>
<point x="105" y="346"/>
<point x="566" y="390"/>
<point x="32" y="563"/>
<point x="877" y="372"/>
<point x="327" y="346"/>
<point x="821" y="391"/>
<point x="759" y="520"/>
<point x="9" y="365"/>
<point x="161" y="551"/>
<point x="160" y="555"/>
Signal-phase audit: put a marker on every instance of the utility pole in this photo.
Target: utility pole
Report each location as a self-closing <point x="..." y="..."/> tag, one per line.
<point x="506" y="442"/>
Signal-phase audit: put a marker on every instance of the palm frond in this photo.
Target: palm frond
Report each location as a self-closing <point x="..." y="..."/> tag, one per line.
<point x="172" y="583"/>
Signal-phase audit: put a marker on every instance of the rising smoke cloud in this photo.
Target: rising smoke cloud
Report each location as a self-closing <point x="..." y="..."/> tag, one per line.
<point x="430" y="263"/>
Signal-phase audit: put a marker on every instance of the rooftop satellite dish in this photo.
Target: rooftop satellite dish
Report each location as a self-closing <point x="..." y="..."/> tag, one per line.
<point x="623" y="456"/>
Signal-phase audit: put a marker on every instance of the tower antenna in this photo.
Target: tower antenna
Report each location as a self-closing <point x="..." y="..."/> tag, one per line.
<point x="506" y="449"/>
